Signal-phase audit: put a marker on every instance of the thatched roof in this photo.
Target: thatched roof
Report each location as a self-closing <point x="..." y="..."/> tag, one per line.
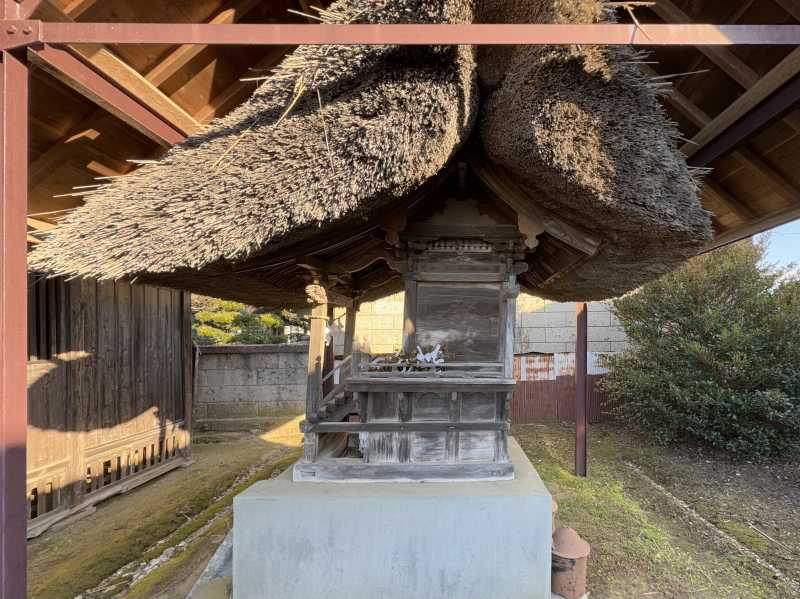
<point x="581" y="129"/>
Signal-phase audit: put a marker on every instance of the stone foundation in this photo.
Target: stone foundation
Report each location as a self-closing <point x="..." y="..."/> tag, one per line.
<point x="394" y="540"/>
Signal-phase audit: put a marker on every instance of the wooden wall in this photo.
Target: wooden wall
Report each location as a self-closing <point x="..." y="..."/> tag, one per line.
<point x="109" y="391"/>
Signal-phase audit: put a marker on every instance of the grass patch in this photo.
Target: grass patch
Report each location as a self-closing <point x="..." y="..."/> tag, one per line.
<point x="65" y="563"/>
<point x="640" y="544"/>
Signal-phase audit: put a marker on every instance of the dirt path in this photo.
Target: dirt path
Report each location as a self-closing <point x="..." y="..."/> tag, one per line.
<point x="65" y="563"/>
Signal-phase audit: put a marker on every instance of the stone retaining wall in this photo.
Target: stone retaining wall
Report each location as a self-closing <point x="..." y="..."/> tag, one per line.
<point x="245" y="386"/>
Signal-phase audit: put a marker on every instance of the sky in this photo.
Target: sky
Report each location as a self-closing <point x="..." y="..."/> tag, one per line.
<point x="784" y="246"/>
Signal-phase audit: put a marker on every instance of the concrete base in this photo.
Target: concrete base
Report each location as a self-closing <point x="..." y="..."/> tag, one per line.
<point x="479" y="540"/>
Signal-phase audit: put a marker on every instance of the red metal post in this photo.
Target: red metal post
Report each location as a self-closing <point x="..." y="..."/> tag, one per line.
<point x="581" y="395"/>
<point x="13" y="321"/>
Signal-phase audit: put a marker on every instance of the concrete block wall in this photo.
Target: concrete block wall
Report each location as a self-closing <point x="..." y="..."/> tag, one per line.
<point x="543" y="326"/>
<point x="548" y="327"/>
<point x="242" y="386"/>
<point x="379" y="326"/>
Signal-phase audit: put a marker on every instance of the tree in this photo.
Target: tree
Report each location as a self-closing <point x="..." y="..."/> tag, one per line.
<point x="222" y="322"/>
<point x="714" y="354"/>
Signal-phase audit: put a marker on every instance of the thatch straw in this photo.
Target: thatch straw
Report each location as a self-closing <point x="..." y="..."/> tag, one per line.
<point x="397" y="115"/>
<point x="580" y="126"/>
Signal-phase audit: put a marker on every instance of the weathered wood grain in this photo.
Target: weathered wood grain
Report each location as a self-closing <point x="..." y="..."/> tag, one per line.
<point x="111" y="392"/>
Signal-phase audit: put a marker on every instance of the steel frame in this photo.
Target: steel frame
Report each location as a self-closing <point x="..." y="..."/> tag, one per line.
<point x="17" y="33"/>
<point x="581" y="389"/>
<point x="24" y="32"/>
<point x="13" y="322"/>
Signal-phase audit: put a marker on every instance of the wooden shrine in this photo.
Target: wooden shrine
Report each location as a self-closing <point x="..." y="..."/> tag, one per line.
<point x="441" y="409"/>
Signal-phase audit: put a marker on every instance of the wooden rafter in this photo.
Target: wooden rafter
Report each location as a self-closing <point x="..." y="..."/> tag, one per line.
<point x="122" y="74"/>
<point x="777" y="180"/>
<point x="788" y="68"/>
<point x="776" y="219"/>
<point x="695" y="114"/>
<point x="237" y="91"/>
<point x="519" y="201"/>
<point x="77" y="7"/>
<point x="232" y="12"/>
<point x="39" y="224"/>
<point x="682" y="103"/>
<point x="726" y="60"/>
<point x="63" y="64"/>
<point x="62" y="150"/>
<point x="726" y="198"/>
<point x="790" y="6"/>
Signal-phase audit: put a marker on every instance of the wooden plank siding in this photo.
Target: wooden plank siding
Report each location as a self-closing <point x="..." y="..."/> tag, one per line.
<point x="545" y="390"/>
<point x="109" y="384"/>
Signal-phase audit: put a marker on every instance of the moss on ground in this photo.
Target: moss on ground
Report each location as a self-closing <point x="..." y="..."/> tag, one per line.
<point x="67" y="562"/>
<point x="642" y="545"/>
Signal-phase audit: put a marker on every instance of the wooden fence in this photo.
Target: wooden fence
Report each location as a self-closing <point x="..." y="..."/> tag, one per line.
<point x="109" y="391"/>
<point x="546" y="389"/>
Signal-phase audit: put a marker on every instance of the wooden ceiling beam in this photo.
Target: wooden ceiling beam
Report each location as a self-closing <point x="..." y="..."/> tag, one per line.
<point x="39" y="225"/>
<point x="681" y="102"/>
<point x="777" y="180"/>
<point x="232" y="12"/>
<point x="126" y="77"/>
<point x="790" y="6"/>
<point x="727" y="199"/>
<point x="65" y="66"/>
<point x="726" y="60"/>
<point x="61" y="151"/>
<point x="754" y="227"/>
<point x="768" y="85"/>
<point x="701" y="119"/>
<point x="235" y="92"/>
<point x="77" y="7"/>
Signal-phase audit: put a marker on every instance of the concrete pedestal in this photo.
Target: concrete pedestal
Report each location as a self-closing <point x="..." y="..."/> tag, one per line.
<point x="479" y="540"/>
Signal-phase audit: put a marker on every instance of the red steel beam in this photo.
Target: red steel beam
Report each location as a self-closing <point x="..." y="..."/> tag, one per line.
<point x="67" y="66"/>
<point x="18" y="9"/>
<point x="405" y="34"/>
<point x="13" y="321"/>
<point x="581" y="393"/>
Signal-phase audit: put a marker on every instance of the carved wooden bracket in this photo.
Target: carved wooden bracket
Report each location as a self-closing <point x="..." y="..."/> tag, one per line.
<point x="318" y="294"/>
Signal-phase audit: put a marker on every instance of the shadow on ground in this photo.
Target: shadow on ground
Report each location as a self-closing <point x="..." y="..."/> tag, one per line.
<point x="185" y="513"/>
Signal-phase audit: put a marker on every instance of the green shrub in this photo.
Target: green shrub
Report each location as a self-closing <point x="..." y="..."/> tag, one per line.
<point x="218" y="319"/>
<point x="223" y="322"/>
<point x="714" y="355"/>
<point x="207" y="335"/>
<point x="270" y="320"/>
<point x="229" y="306"/>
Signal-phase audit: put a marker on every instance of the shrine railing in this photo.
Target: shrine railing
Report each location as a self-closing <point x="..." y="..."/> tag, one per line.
<point x="381" y="367"/>
<point x="333" y="383"/>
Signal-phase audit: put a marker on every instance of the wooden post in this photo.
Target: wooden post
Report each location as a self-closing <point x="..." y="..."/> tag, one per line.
<point x="329" y="355"/>
<point x="350" y="328"/>
<point x="189" y="367"/>
<point x="581" y="412"/>
<point x="410" y="316"/>
<point x="509" y="307"/>
<point x="316" y="348"/>
<point x="13" y="317"/>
